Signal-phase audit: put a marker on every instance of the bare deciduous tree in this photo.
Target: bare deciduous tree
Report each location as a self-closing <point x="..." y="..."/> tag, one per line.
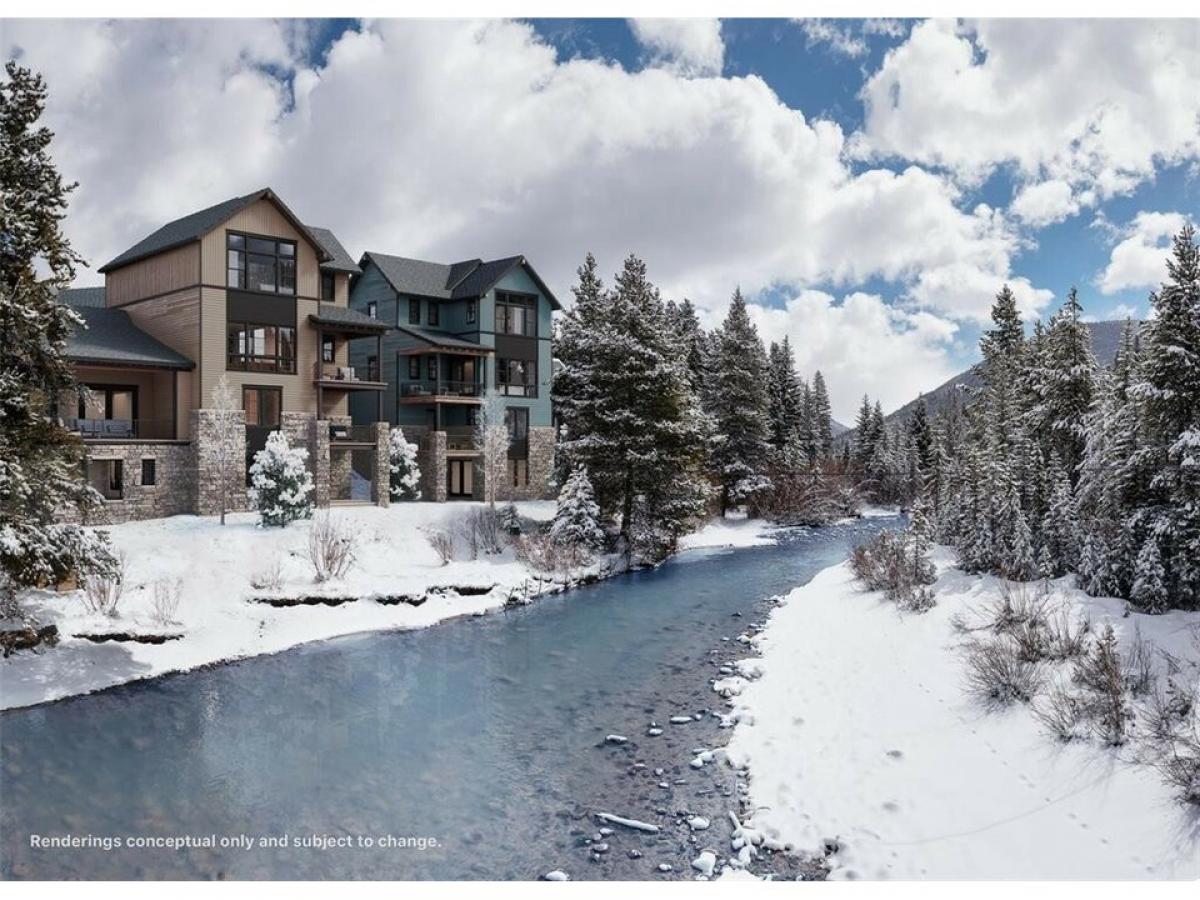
<point x="225" y="444"/>
<point x="492" y="438"/>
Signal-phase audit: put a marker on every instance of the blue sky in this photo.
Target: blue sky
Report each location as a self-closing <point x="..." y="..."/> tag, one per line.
<point x="869" y="184"/>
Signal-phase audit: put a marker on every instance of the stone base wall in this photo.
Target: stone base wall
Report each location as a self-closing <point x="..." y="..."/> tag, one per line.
<point x="540" y="465"/>
<point x="381" y="476"/>
<point x="208" y="427"/>
<point x="171" y="494"/>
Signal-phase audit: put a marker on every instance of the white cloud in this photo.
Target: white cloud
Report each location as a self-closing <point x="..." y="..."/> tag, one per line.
<point x="838" y="36"/>
<point x="861" y="345"/>
<point x="1094" y="104"/>
<point x="690" y="46"/>
<point x="1044" y="203"/>
<point x="1139" y="259"/>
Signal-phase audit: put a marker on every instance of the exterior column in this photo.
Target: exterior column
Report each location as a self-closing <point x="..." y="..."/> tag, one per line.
<point x="381" y="468"/>
<point x="379" y="375"/>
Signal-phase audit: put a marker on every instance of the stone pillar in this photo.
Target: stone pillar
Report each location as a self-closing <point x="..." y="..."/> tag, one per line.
<point x="208" y="426"/>
<point x="381" y="476"/>
<point x="318" y="460"/>
<point x="432" y="460"/>
<point x="540" y="461"/>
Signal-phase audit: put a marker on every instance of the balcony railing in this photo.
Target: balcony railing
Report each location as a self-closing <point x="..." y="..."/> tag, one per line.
<point x="122" y="429"/>
<point x="441" y="389"/>
<point x="459" y="437"/>
<point x="351" y="434"/>
<point x="352" y="374"/>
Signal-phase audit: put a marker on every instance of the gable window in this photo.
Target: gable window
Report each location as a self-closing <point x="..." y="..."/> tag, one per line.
<point x="472" y="312"/>
<point x="414" y="311"/>
<point x="516" y="314"/>
<point x="327" y="292"/>
<point x="261" y="348"/>
<point x="516" y="377"/>
<point x="372" y="308"/>
<point x="434" y="313"/>
<point x="260" y="264"/>
<point x="414" y="367"/>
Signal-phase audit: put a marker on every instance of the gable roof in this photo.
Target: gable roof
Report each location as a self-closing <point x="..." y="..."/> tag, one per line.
<point x="111" y="338"/>
<point x="456" y="281"/>
<point x="339" y="259"/>
<point x="195" y="225"/>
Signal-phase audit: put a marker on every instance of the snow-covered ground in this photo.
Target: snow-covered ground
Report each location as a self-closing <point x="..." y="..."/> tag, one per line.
<point x="859" y="732"/>
<point x="215" y="565"/>
<point x="734" y="531"/>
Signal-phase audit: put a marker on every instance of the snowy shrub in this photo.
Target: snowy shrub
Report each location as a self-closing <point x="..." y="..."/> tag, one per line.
<point x="576" y="526"/>
<point x="1101" y="674"/>
<point x="331" y="547"/>
<point x="481" y="529"/>
<point x="1139" y="665"/>
<point x="897" y="563"/>
<point x="167" y="595"/>
<point x="269" y="578"/>
<point x="997" y="675"/>
<point x="509" y="520"/>
<point x="807" y="495"/>
<point x="442" y="543"/>
<point x="280" y="483"/>
<point x="1068" y="635"/>
<point x="541" y="552"/>
<point x="102" y="590"/>
<point x="1181" y="769"/>
<point x="1061" y="713"/>
<point x="404" y="476"/>
<point x="1018" y="607"/>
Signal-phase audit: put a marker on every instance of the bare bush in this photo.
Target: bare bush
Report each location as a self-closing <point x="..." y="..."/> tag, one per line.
<point x="481" y="532"/>
<point x="541" y="553"/>
<point x="1170" y="708"/>
<point x="1060" y="711"/>
<point x="1019" y="604"/>
<point x="331" y="547"/>
<point x="997" y="675"/>
<point x="1101" y="674"/>
<point x="442" y="543"/>
<point x="269" y="578"/>
<point x="1181" y="770"/>
<point x="1068" y="635"/>
<point x="167" y="594"/>
<point x="894" y="562"/>
<point x="1139" y="665"/>
<point x="1032" y="641"/>
<point x="102" y="590"/>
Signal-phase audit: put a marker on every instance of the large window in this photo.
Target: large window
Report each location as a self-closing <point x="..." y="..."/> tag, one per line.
<point x="516" y="377"/>
<point x="260" y="264"/>
<point x="261" y="348"/>
<point x="518" y="424"/>
<point x="516" y="314"/>
<point x="262" y="406"/>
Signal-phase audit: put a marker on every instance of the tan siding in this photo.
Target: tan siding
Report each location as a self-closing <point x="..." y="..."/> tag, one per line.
<point x="160" y="274"/>
<point x="174" y="320"/>
<point x="341" y="289"/>
<point x="262" y="218"/>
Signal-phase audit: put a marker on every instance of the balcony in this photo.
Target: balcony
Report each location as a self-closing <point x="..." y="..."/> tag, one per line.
<point x="460" y="439"/>
<point x="106" y="430"/>
<point x="348" y="378"/>
<point x="440" y="391"/>
<point x="351" y="434"/>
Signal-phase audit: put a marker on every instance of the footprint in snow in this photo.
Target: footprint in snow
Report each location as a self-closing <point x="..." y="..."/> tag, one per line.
<point x="896" y="754"/>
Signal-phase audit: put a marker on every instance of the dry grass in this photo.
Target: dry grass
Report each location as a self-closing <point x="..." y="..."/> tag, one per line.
<point x="102" y="591"/>
<point x="331" y="547"/>
<point x="167" y="594"/>
<point x="442" y="543"/>
<point x="998" y="676"/>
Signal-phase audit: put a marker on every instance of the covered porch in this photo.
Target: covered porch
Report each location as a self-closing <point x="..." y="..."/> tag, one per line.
<point x="336" y="327"/>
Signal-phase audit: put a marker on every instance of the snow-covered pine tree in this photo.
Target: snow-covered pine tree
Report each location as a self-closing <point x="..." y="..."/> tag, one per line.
<point x="739" y="406"/>
<point x="1168" y="396"/>
<point x="404" y="475"/>
<point x="40" y="462"/>
<point x="574" y="347"/>
<point x="1150" y="579"/>
<point x="785" y="397"/>
<point x="576" y="526"/>
<point x="634" y="423"/>
<point x="823" y="415"/>
<point x="1060" y="528"/>
<point x="280" y="483"/>
<point x="693" y="342"/>
<point x="508" y="519"/>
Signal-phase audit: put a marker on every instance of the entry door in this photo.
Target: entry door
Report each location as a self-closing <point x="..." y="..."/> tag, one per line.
<point x="460" y="477"/>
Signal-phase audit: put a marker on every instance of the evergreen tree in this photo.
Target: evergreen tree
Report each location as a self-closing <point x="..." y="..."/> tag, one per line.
<point x="740" y="408"/>
<point x="1150" y="581"/>
<point x="40" y="462"/>
<point x="576" y="524"/>
<point x="280" y="483"/>
<point x="1169" y="399"/>
<point x="693" y="343"/>
<point x="404" y="476"/>
<point x="784" y="397"/>
<point x="823" y="414"/>
<point x="864" y="435"/>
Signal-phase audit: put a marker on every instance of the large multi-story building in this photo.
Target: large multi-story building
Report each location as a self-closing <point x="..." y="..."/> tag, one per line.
<point x="458" y="331"/>
<point x="243" y="289"/>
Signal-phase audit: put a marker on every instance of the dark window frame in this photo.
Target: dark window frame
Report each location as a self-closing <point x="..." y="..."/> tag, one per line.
<point x="472" y="311"/>
<point x="373" y="309"/>
<point x="328" y="349"/>
<point x="261" y="389"/>
<point x="108" y="390"/>
<point x="414" y="368"/>
<point x="431" y="367"/>
<point x="414" y="310"/>
<point x="241" y="263"/>
<point x="514" y="415"/>
<point x="149" y="467"/>
<point x="328" y="286"/>
<point x="114" y="474"/>
<point x="435" y="314"/>
<point x="512" y="300"/>
<point x="526" y="388"/>
<point x="241" y="360"/>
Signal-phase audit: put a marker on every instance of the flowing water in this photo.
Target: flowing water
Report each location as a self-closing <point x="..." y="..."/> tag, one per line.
<point x="470" y="750"/>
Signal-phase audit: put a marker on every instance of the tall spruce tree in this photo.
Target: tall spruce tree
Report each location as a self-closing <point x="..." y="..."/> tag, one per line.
<point x="823" y="414"/>
<point x="784" y="397"/>
<point x="740" y="408"/>
<point x="40" y="462"/>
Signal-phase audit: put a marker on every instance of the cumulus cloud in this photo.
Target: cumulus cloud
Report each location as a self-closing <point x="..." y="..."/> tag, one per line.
<point x="1139" y="258"/>
<point x="1093" y="104"/>
<point x="862" y="345"/>
<point x="1044" y="203"/>
<point x="690" y="46"/>
<point x="449" y="139"/>
<point x="838" y="36"/>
